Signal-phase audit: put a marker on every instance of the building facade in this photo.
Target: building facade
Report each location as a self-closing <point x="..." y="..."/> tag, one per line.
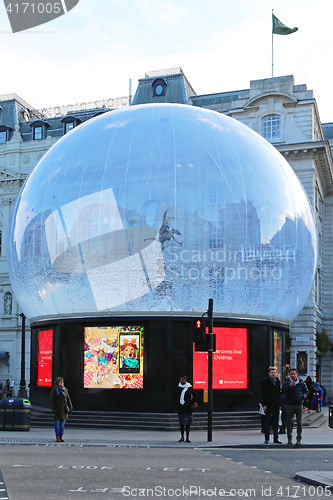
<point x="284" y="113"/>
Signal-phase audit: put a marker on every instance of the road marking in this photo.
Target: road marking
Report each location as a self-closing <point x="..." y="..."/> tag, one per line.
<point x="17" y="465"/>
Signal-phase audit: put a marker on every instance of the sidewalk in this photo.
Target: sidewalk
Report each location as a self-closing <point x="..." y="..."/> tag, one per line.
<point x="314" y="435"/>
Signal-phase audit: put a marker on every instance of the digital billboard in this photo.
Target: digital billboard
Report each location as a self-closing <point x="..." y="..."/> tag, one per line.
<point x="230" y="361"/>
<point x="44" y="358"/>
<point x="113" y="357"/>
<point x="278" y="353"/>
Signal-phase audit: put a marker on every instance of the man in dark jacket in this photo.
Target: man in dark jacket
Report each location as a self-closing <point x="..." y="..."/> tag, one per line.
<point x="296" y="391"/>
<point x="270" y="400"/>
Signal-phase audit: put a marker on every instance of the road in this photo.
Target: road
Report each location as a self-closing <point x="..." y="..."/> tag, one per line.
<point x="46" y="472"/>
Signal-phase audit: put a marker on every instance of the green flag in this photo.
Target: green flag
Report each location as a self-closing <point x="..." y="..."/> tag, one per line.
<point x="280" y="28"/>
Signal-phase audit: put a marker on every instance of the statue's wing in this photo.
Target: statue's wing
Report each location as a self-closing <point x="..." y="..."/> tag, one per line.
<point x="175" y="231"/>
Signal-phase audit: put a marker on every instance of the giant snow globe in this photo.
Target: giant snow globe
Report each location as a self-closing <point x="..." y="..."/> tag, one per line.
<point x="154" y="209"/>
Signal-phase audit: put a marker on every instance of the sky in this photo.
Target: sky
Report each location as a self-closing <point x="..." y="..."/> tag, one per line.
<point x="93" y="51"/>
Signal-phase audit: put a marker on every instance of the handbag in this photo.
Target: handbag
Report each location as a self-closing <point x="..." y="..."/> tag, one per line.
<point x="195" y="404"/>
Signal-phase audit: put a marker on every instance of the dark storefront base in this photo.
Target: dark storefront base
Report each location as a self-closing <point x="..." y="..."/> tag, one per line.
<point x="168" y="353"/>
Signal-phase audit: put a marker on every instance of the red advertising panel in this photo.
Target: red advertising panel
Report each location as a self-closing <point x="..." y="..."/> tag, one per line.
<point x="230" y="361"/>
<point x="44" y="360"/>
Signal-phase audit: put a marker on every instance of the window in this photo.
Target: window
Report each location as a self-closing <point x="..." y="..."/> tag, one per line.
<point x="320" y="205"/>
<point x="38" y="133"/>
<point x="159" y="87"/>
<point x="70" y="122"/>
<point x="68" y="127"/>
<point x="216" y="235"/>
<point x="5" y="133"/>
<point x="271" y="128"/>
<point x="215" y="194"/>
<point x="318" y="290"/>
<point x="39" y="128"/>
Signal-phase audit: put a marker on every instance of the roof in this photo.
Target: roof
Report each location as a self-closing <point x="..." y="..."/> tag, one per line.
<point x="178" y="88"/>
<point x="56" y="126"/>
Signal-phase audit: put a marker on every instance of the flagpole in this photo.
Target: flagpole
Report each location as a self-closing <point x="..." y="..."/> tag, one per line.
<point x="272" y="49"/>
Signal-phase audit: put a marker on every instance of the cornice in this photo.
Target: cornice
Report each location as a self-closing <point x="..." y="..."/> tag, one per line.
<point x="320" y="150"/>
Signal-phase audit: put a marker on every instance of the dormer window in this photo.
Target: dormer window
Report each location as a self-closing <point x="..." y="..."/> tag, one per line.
<point x="70" y="122"/>
<point x="271" y="128"/>
<point x="38" y="133"/>
<point x="159" y="87"/>
<point x="39" y="128"/>
<point x="68" y="126"/>
<point x="5" y="133"/>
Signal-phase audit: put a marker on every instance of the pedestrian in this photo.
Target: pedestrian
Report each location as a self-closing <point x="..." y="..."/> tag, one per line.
<point x="325" y="395"/>
<point x="7" y="388"/>
<point x="270" y="400"/>
<point x="283" y="425"/>
<point x="185" y="397"/>
<point x="296" y="391"/>
<point x="318" y="397"/>
<point x="2" y="391"/>
<point x="61" y="405"/>
<point x="262" y="418"/>
<point x="11" y="387"/>
<point x="310" y="385"/>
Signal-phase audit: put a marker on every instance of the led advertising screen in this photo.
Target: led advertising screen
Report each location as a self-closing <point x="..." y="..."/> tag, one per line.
<point x="113" y="357"/>
<point x="230" y="361"/>
<point x="278" y="352"/>
<point x="44" y="358"/>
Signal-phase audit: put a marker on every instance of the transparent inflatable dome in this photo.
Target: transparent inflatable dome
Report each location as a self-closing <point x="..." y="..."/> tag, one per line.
<point x="155" y="209"/>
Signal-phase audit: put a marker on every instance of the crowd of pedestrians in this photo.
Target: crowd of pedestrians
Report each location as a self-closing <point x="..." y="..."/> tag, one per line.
<point x="279" y="405"/>
<point x="7" y="388"/>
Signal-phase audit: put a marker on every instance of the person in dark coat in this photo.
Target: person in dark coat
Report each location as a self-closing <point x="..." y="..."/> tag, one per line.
<point x="8" y="389"/>
<point x="185" y="397"/>
<point x="270" y="400"/>
<point x="296" y="392"/>
<point x="310" y="385"/>
<point x="61" y="405"/>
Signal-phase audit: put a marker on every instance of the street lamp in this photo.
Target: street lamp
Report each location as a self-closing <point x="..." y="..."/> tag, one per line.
<point x="22" y="393"/>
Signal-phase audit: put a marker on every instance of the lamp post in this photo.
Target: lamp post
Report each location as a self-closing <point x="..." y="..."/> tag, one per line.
<point x="210" y="370"/>
<point x="22" y="393"/>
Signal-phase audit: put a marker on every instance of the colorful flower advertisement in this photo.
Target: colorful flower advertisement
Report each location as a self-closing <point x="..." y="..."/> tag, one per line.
<point x="113" y="357"/>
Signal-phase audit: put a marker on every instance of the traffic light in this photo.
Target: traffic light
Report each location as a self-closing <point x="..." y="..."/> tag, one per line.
<point x="200" y="337"/>
<point x="203" y="342"/>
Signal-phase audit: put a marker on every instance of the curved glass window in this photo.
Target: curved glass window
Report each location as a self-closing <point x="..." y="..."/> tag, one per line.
<point x="271" y="128"/>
